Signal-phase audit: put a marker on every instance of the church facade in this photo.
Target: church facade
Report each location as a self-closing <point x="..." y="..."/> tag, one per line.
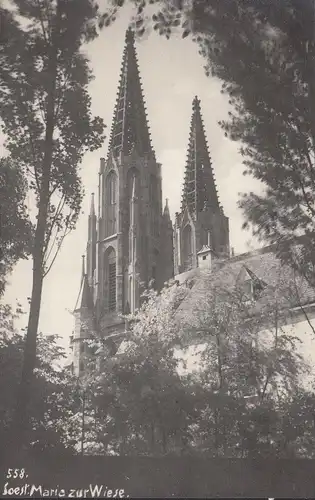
<point x="132" y="242"/>
<point x="131" y="239"/>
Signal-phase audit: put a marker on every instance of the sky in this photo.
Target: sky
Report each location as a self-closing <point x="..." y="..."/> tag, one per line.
<point x="172" y="74"/>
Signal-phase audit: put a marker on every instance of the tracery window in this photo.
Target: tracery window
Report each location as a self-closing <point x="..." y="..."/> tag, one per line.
<point x="187" y="248"/>
<point x="110" y="279"/>
<point x="111" y="203"/>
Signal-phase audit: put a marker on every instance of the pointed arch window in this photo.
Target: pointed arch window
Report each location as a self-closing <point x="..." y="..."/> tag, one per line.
<point x="187" y="247"/>
<point x="111" y="203"/>
<point x="110" y="279"/>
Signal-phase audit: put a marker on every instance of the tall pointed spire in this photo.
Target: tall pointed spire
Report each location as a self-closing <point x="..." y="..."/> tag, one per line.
<point x="84" y="299"/>
<point x="199" y="191"/>
<point x="130" y="127"/>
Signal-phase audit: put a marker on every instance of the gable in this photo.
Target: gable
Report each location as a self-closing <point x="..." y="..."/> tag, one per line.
<point x="186" y="218"/>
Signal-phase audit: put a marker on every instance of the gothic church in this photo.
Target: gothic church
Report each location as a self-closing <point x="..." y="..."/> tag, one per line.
<point x="131" y="239"/>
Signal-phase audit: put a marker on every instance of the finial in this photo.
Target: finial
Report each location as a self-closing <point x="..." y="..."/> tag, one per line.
<point x="130" y="36"/>
<point x="209" y="239"/>
<point x="166" y="209"/>
<point x="102" y="165"/>
<point x="83" y="266"/>
<point x="92" y="205"/>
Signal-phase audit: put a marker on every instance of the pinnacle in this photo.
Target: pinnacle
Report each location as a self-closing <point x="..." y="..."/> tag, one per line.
<point x="166" y="209"/>
<point x="92" y="212"/>
<point x="130" y="36"/>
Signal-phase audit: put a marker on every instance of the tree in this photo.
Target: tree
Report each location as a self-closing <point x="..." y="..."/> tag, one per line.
<point x="16" y="228"/>
<point x="138" y="402"/>
<point x="53" y="400"/>
<point x="45" y="110"/>
<point x="242" y="397"/>
<point x="250" y="368"/>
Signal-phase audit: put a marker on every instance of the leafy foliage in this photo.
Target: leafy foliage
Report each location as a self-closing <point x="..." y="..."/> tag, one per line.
<point x="15" y="226"/>
<point x="249" y="364"/>
<point x="48" y="126"/>
<point x="53" y="400"/>
<point x="239" y="399"/>
<point x="142" y="405"/>
<point x="25" y="93"/>
<point x="242" y="398"/>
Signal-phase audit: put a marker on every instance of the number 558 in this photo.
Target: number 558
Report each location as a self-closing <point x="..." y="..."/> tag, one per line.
<point x="15" y="473"/>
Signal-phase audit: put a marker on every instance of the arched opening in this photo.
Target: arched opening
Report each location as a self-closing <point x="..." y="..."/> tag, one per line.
<point x="187" y="248"/>
<point x="111" y="203"/>
<point x="110" y="279"/>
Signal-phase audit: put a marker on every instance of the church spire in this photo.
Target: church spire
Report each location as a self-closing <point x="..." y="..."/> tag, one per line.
<point x="199" y="191"/>
<point x="84" y="299"/>
<point x="130" y="127"/>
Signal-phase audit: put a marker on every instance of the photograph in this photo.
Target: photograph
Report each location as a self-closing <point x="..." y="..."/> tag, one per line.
<point x="157" y="248"/>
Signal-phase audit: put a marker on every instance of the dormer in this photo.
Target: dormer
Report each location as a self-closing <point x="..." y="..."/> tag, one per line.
<point x="251" y="285"/>
<point x="204" y="257"/>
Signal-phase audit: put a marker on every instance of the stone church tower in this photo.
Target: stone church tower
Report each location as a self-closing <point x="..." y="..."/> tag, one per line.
<point x="201" y="223"/>
<point x="130" y="239"/>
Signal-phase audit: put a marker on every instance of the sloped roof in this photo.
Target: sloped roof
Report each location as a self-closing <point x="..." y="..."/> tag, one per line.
<point x="267" y="267"/>
<point x="263" y="264"/>
<point x="85" y="297"/>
